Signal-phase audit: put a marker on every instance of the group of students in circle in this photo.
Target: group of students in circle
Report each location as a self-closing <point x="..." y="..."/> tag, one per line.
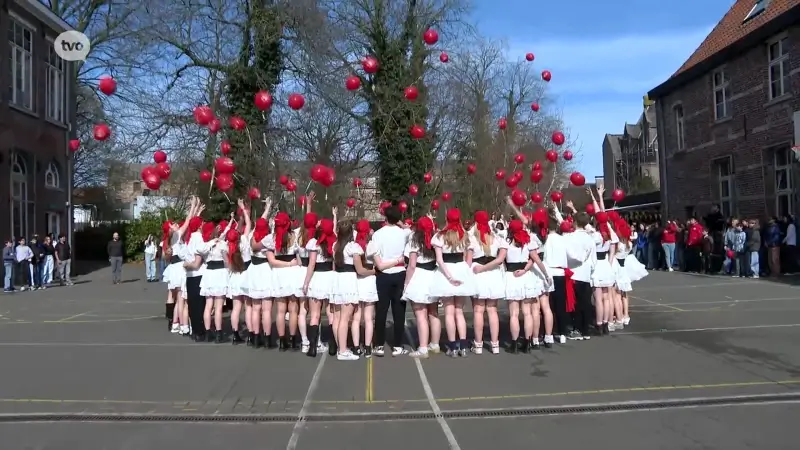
<point x="562" y="278"/>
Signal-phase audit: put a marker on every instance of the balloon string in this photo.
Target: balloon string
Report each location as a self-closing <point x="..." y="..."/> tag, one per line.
<point x="211" y="184"/>
<point x="308" y="187"/>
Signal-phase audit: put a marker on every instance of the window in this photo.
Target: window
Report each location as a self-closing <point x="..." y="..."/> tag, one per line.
<point x="722" y="94"/>
<point x="55" y="86"/>
<point x="20" y="40"/>
<point x="51" y="178"/>
<point x="725" y="179"/>
<point x="778" y="53"/>
<point x="19" y="196"/>
<point x="784" y="182"/>
<point x="679" y="129"/>
<point x="758" y="8"/>
<point x="53" y="222"/>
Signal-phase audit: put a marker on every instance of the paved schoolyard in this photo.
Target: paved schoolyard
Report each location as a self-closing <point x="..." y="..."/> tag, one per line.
<point x="96" y="359"/>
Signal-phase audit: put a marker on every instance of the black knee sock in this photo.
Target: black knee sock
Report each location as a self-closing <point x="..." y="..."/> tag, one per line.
<point x="170" y="312"/>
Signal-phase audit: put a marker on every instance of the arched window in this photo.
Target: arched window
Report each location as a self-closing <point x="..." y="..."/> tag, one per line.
<point x="19" y="196"/>
<point x="18" y="169"/>
<point x="51" y="178"/>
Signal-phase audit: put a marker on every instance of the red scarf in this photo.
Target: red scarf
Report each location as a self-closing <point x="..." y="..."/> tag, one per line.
<point x="570" y="287"/>
<point x="310" y="224"/>
<point x="194" y="224"/>
<point x="602" y="225"/>
<point x="454" y="223"/>
<point x="482" y="225"/>
<point x="541" y="219"/>
<point x="232" y="236"/>
<point x="326" y="235"/>
<point x="517" y="231"/>
<point x="208" y="230"/>
<point x="425" y="224"/>
<point x="261" y="229"/>
<point x="282" y="225"/>
<point x="166" y="230"/>
<point x="362" y="233"/>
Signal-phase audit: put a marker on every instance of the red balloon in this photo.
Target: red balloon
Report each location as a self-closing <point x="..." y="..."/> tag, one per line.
<point x="411" y="93"/>
<point x="431" y="36"/>
<point x="224" y="165"/>
<point x="357" y="182"/>
<point x="403" y="206"/>
<point x="214" y="126"/>
<point x="370" y="64"/>
<point x="159" y="156"/>
<point x="254" y="193"/>
<point x="107" y="85"/>
<point x="291" y="186"/>
<point x="283" y="179"/>
<point x="263" y="100"/>
<point x="318" y="172"/>
<point x="519" y="158"/>
<point x="567" y="155"/>
<point x="351" y="202"/>
<point x="556" y="196"/>
<point x="618" y="195"/>
<point x="519" y="198"/>
<point x="329" y="177"/>
<point x="203" y="115"/>
<point x="296" y="101"/>
<point x="471" y="168"/>
<point x="537" y="165"/>
<point x="512" y="182"/>
<point x="731" y="254"/>
<point x="551" y="156"/>
<point x="518" y="175"/>
<point x="427" y="178"/>
<point x="590" y="209"/>
<point x="537" y="197"/>
<point x="205" y="176"/>
<point x="163" y="170"/>
<point x="237" y="123"/>
<point x="147" y="170"/>
<point x="385" y="204"/>
<point x="74" y="145"/>
<point x="352" y="83"/>
<point x="558" y="138"/>
<point x="535" y="107"/>
<point x="537" y="176"/>
<point x="101" y="132"/>
<point x="444" y="58"/>
<point x="413" y="189"/>
<point x="529" y="56"/>
<point x="500" y="174"/>
<point x="446" y="196"/>
<point x="224" y="182"/>
<point x="435" y="205"/>
<point x="502" y="123"/>
<point x="546" y="75"/>
<point x="417" y="132"/>
<point x="225" y="147"/>
<point x="577" y="179"/>
<point x="152" y="181"/>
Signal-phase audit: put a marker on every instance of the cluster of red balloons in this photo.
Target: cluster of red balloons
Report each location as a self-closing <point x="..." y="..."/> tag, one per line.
<point x="154" y="175"/>
<point x="290" y="185"/>
<point x="323" y="175"/>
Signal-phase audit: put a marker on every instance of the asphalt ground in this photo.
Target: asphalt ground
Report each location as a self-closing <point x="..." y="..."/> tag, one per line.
<point x="707" y="362"/>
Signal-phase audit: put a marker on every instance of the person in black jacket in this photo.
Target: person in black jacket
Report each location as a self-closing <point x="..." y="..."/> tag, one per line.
<point x="115" y="253"/>
<point x="37" y="263"/>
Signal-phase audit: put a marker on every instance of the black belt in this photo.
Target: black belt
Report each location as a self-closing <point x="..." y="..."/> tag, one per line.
<point x="541" y="255"/>
<point x="215" y="265"/>
<point x="427" y="266"/>
<point x="452" y="257"/>
<point x="323" y="266"/>
<point x="175" y="259"/>
<point x="285" y="258"/>
<point x="246" y="265"/>
<point x="406" y="259"/>
<point x="304" y="261"/>
<point x="369" y="266"/>
<point x="601" y="255"/>
<point x="483" y="260"/>
<point x="621" y="262"/>
<point x="346" y="268"/>
<point x="513" y="267"/>
<point x="256" y="260"/>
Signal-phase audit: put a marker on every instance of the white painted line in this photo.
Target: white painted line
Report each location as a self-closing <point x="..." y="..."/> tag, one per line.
<point x="426" y="386"/>
<point x="694" y="330"/>
<point x="732" y="300"/>
<point x="312" y="387"/>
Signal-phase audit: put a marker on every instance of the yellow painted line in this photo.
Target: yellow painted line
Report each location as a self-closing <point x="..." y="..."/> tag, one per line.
<point x="62" y="321"/>
<point x="719" y="309"/>
<point x="425" y="400"/>
<point x="656" y="303"/>
<point x="369" y="389"/>
<point x="67" y="319"/>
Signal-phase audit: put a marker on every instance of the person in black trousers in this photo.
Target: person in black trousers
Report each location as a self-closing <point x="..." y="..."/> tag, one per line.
<point x="195" y="302"/>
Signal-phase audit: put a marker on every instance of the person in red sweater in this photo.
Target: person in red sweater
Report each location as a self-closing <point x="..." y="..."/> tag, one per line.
<point x="694" y="244"/>
<point x="668" y="243"/>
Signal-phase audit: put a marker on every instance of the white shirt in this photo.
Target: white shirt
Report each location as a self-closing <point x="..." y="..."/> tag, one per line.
<point x="413" y="248"/>
<point x="601" y="246"/>
<point x="389" y="243"/>
<point x="269" y="244"/>
<point x="791" y="235"/>
<point x="350" y="251"/>
<point x="494" y="248"/>
<point x="518" y="254"/>
<point x="196" y="245"/>
<point x="215" y="250"/>
<point x="150" y="248"/>
<point x="581" y="252"/>
<point x="245" y="248"/>
<point x="623" y="250"/>
<point x="302" y="251"/>
<point x="313" y="247"/>
<point x="438" y="241"/>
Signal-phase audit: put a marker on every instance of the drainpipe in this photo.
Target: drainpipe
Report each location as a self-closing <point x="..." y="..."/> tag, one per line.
<point x="70" y="119"/>
<point x="661" y="119"/>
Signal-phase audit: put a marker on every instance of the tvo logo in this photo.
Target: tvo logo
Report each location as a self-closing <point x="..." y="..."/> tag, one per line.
<point x="72" y="46"/>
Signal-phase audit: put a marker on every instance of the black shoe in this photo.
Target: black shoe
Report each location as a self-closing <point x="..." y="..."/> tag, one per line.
<point x="259" y="340"/>
<point x="236" y="339"/>
<point x="211" y="336"/>
<point x="513" y="348"/>
<point x="313" y="341"/>
<point x="284" y="343"/>
<point x="534" y="345"/>
<point x="269" y="341"/>
<point x="523" y="345"/>
<point x="294" y="343"/>
<point x="199" y="337"/>
<point x="332" y="347"/>
<point x="605" y="328"/>
<point x="251" y="339"/>
<point x="548" y="344"/>
<point x="220" y="337"/>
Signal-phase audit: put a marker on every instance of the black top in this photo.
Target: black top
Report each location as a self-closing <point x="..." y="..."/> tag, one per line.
<point x="63" y="251"/>
<point x="115" y="249"/>
<point x="49" y="250"/>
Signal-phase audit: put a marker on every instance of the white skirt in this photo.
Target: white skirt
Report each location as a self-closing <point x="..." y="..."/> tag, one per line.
<point x="367" y="289"/>
<point x="259" y="280"/>
<point x="539" y="281"/>
<point x="460" y="271"/>
<point x="521" y="288"/>
<point x="490" y="285"/>
<point x="237" y="284"/>
<point x="175" y="276"/>
<point x="345" y="288"/>
<point x="214" y="283"/>
<point x="322" y="285"/>
<point x="418" y="289"/>
<point x="634" y="269"/>
<point x="287" y="281"/>
<point x="603" y="275"/>
<point x="622" y="280"/>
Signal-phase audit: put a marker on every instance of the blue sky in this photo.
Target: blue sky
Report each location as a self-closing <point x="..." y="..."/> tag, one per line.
<point x="604" y="55"/>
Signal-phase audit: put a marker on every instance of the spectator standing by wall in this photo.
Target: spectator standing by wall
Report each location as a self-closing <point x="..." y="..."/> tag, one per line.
<point x="9" y="259"/>
<point x="115" y="253"/>
<point x="753" y="248"/>
<point x="150" y="250"/>
<point x="668" y="244"/>
<point x="63" y="254"/>
<point x="37" y="263"/>
<point x="49" y="261"/>
<point x="772" y="239"/>
<point x="24" y="255"/>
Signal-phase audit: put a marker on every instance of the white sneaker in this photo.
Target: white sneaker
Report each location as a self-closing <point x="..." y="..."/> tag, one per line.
<point x="477" y="348"/>
<point x="562" y="339"/>
<point x="626" y="321"/>
<point x="611" y="326"/>
<point x="434" y="348"/>
<point x="671" y="269"/>
<point x="304" y="348"/>
<point x="495" y="348"/>
<point x="346" y="355"/>
<point x="420" y="353"/>
<point x="397" y="351"/>
<point x="176" y="328"/>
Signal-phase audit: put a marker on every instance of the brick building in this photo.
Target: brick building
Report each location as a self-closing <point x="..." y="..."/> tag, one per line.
<point x="36" y="102"/>
<point x="630" y="159"/>
<point x="728" y="117"/>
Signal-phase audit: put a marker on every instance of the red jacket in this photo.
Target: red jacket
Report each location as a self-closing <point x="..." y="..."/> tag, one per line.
<point x="695" y="237"/>
<point x="668" y="236"/>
